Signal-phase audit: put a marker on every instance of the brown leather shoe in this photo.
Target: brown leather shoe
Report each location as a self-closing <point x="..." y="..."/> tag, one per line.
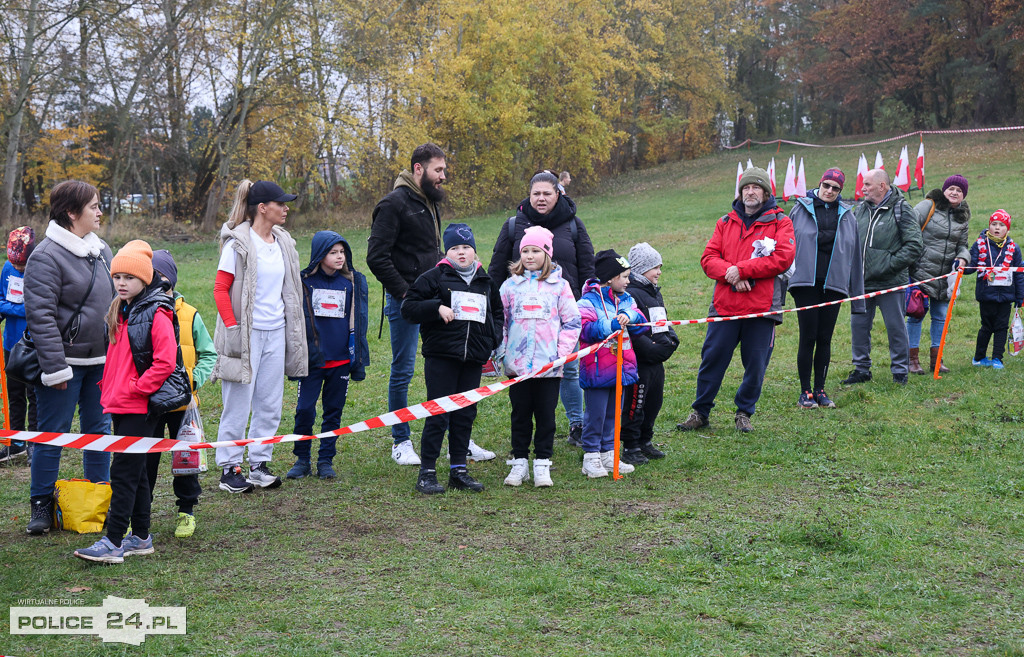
<point x="915" y="361"/>
<point x="695" y="421"/>
<point x="942" y="367"/>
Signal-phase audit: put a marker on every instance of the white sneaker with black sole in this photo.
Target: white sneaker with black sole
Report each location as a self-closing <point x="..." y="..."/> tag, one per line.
<point x="233" y="481"/>
<point x="260" y="475"/>
<point x="404" y="453"/>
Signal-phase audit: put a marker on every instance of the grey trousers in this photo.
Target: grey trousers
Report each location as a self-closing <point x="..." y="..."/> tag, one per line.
<point x="894" y="309"/>
<point x="262" y="398"/>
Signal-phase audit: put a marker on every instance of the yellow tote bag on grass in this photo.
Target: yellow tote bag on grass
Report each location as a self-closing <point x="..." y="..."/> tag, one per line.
<point x="81" y="505"/>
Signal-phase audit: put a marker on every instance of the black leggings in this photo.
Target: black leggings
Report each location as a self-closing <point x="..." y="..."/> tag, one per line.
<point x="816" y="328"/>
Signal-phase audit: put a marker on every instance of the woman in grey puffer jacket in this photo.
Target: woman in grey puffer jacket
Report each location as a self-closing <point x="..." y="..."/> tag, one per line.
<point x="67" y="292"/>
<point x="944" y="217"/>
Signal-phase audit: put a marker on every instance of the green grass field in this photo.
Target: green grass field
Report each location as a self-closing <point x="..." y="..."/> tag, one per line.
<point x="892" y="525"/>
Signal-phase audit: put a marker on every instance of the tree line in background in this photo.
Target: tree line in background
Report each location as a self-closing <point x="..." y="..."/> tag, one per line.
<point x="164" y="104"/>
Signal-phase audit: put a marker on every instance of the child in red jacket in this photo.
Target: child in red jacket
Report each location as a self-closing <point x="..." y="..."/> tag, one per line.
<point x="141" y="356"/>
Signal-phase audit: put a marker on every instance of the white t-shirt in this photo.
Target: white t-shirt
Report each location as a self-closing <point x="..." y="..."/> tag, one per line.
<point x="268" y="304"/>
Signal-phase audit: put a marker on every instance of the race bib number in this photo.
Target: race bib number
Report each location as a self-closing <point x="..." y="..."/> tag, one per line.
<point x="1002" y="278"/>
<point x="15" y="290"/>
<point x="329" y="303"/>
<point x="531" y="306"/>
<point x="613" y="344"/>
<point x="469" y="306"/>
<point x="658" y="314"/>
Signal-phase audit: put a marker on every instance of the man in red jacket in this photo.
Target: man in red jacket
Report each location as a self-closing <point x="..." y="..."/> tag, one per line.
<point x="748" y="255"/>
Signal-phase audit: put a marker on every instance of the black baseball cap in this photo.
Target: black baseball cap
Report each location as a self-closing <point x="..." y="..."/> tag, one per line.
<point x="265" y="191"/>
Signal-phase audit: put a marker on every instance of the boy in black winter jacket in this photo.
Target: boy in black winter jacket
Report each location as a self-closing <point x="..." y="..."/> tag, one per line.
<point x="996" y="291"/>
<point x="460" y="315"/>
<point x="642" y="401"/>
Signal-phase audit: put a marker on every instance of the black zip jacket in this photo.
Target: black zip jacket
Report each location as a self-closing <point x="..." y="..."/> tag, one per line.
<point x="650" y="347"/>
<point x="466" y="341"/>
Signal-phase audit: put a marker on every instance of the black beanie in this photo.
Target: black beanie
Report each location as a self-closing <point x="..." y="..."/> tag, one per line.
<point x="609" y="264"/>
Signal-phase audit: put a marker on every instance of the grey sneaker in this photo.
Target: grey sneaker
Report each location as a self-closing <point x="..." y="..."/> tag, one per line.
<point x="695" y="421"/>
<point x="260" y="475"/>
<point x="743" y="422"/>
<point x="132" y="544"/>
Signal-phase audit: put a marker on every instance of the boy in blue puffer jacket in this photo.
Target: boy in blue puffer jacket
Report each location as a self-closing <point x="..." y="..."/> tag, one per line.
<point x="604" y="310"/>
<point x="335" y="302"/>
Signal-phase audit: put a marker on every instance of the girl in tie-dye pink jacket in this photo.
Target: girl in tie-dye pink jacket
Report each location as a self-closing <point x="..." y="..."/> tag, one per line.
<point x="542" y="322"/>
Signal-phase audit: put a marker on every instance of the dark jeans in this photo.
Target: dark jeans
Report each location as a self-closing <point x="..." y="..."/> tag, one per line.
<point x="445" y="376"/>
<point x="534" y="399"/>
<point x="331" y="384"/>
<point x="186" y="487"/>
<point x="995" y="321"/>
<point x="756" y="339"/>
<point x="816" y="329"/>
<point x="641" y="403"/>
<point x="56" y="411"/>
<point x="21" y="400"/>
<point x="130" y="497"/>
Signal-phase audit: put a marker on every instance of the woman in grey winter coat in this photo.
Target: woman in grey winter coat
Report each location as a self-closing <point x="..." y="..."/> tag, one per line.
<point x="68" y="290"/>
<point x="944" y="217"/>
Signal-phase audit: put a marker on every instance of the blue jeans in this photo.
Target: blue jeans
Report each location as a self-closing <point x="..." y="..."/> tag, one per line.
<point x="333" y="382"/>
<point x="405" y="337"/>
<point x="570" y="391"/>
<point x="55" y="410"/>
<point x="937" y="310"/>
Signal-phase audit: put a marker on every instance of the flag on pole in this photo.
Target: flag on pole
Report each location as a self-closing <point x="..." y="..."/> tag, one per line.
<point x="903" y="172"/>
<point x="801" y="181"/>
<point x="878" y="160"/>
<point x="919" y="167"/>
<point x="771" y="174"/>
<point x="862" y="168"/>
<point x="750" y="165"/>
<point x="739" y="174"/>
<point x="789" y="187"/>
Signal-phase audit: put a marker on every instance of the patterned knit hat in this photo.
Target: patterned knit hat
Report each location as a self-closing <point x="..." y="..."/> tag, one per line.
<point x="20" y="244"/>
<point x="1001" y="216"/>
<point x="135" y="259"/>
<point x="835" y="175"/>
<point x="456" y="234"/>
<point x="643" y="258"/>
<point x="958" y="180"/>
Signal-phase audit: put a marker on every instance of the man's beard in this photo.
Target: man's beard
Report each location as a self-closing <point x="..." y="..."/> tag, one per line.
<point x="432" y="191"/>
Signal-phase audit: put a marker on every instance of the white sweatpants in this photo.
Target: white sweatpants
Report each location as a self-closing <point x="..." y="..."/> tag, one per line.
<point x="262" y="397"/>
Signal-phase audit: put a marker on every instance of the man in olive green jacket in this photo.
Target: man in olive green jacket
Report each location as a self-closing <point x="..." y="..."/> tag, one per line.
<point x="890" y="239"/>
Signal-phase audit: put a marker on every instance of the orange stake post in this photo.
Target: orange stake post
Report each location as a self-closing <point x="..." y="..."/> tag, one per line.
<point x="618" y="404"/>
<point x="945" y="327"/>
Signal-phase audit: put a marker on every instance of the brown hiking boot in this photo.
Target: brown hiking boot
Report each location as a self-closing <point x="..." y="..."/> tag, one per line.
<point x="743" y="422"/>
<point x="695" y="421"/>
<point x="942" y="367"/>
<point x="915" y="361"/>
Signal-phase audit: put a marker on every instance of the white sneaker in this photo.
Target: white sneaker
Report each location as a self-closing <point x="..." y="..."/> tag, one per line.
<point x="260" y="475"/>
<point x="404" y="453"/>
<point x="520" y="472"/>
<point x="542" y="473"/>
<point x="592" y="466"/>
<point x="608" y="461"/>
<point x="478" y="453"/>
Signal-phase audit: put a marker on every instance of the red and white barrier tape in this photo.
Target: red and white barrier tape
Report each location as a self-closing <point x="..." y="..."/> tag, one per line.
<point x="143" y="445"/>
<point x="872" y="143"/>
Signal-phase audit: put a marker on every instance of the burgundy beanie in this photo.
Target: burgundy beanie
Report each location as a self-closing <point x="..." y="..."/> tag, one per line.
<point x="835" y="175"/>
<point x="958" y="180"/>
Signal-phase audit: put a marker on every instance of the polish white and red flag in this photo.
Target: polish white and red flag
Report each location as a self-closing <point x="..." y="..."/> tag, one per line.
<point x="862" y="169"/>
<point x="739" y="174"/>
<point x="801" y="180"/>
<point x="771" y="175"/>
<point x="919" y="168"/>
<point x="902" y="179"/>
<point x="879" y="164"/>
<point x="789" y="186"/>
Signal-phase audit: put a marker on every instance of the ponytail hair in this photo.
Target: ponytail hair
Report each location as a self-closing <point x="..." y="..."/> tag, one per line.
<point x="544" y="176"/>
<point x="112" y="317"/>
<point x="241" y="210"/>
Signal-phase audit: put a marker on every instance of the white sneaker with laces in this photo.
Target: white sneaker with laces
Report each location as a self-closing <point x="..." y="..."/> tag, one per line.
<point x="478" y="453"/>
<point x="520" y="472"/>
<point x="404" y="453"/>
<point x="261" y="476"/>
<point x="592" y="466"/>
<point x="608" y="461"/>
<point x="542" y="473"/>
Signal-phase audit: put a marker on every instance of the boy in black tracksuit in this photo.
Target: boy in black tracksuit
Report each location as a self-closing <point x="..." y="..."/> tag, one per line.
<point x="460" y="315"/>
<point x="642" y="401"/>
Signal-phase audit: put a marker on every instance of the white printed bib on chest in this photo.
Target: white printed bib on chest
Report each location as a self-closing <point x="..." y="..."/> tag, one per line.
<point x="15" y="290"/>
<point x="329" y="303"/>
<point x="1002" y="278"/>
<point x="469" y="306"/>
<point x="658" y="314"/>
<point x="532" y="306"/>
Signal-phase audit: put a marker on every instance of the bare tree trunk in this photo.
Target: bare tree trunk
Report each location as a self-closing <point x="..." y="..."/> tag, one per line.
<point x="14" y="127"/>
